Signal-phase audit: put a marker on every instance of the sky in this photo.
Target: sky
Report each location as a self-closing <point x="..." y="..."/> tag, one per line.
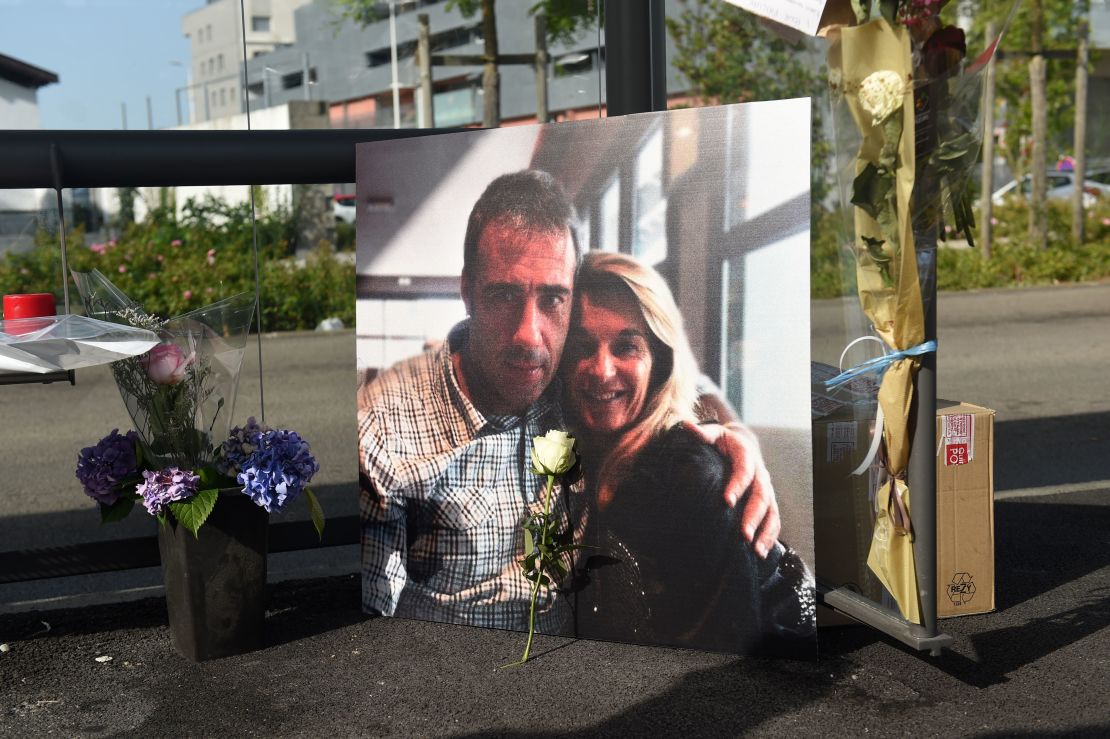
<point x="105" y="53"/>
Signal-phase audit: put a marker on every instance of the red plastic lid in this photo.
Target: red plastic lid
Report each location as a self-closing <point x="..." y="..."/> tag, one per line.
<point x="28" y="305"/>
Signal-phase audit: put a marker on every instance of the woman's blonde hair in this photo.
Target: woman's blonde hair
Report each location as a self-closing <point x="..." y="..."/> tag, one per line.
<point x="672" y="394"/>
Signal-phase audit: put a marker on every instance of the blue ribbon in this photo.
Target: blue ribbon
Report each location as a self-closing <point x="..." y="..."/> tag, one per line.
<point x="879" y="364"/>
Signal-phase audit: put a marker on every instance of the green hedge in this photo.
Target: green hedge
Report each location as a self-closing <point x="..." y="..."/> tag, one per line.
<point x="172" y="266"/>
<point x="1013" y="262"/>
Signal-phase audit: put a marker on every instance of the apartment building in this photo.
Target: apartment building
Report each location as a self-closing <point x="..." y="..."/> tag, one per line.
<point x="216" y="44"/>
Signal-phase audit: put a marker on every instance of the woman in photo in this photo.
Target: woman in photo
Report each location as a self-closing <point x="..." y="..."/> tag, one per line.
<point x="666" y="562"/>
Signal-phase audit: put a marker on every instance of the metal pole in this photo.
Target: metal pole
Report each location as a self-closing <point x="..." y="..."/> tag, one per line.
<point x="123" y="115"/>
<point x="635" y="56"/>
<point x="177" y="103"/>
<point x="306" y="82"/>
<point x="149" y="115"/>
<point x="922" y="475"/>
<point x="395" y="84"/>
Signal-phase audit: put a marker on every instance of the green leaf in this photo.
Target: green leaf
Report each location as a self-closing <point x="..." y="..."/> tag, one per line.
<point x="889" y="9"/>
<point x="862" y="10"/>
<point x="192" y="513"/>
<point x="316" y="512"/>
<point x="118" y="510"/>
<point x="529" y="543"/>
<point x="870" y="190"/>
<point x="210" y="477"/>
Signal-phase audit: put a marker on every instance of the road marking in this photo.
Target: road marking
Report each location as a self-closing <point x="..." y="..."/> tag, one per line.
<point x="1075" y="487"/>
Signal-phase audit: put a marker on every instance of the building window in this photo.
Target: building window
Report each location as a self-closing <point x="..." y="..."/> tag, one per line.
<point x="220" y="62"/>
<point x="223" y="96"/>
<point x="209" y="30"/>
<point x="574" y="64"/>
<point x="450" y="39"/>
<point x="213" y="98"/>
<point x="260" y="23"/>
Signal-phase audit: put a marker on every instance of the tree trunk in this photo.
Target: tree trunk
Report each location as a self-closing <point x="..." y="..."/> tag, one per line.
<point x="424" y="63"/>
<point x="1081" y="58"/>
<point x="491" y="79"/>
<point x="986" y="205"/>
<point x="1038" y="217"/>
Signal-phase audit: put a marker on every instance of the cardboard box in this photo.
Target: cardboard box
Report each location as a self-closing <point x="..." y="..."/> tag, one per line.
<point x="843" y="516"/>
<point x="965" y="509"/>
<point x="842" y="507"/>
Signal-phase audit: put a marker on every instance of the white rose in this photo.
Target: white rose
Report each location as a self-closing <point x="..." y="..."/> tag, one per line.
<point x="881" y="94"/>
<point x="553" y="454"/>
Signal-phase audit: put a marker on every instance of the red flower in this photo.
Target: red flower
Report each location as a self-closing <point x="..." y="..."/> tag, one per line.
<point x="944" y="50"/>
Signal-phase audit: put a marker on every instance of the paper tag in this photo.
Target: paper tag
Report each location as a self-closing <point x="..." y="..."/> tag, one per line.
<point x="958" y="438"/>
<point x="841" y="441"/>
<point x="804" y="15"/>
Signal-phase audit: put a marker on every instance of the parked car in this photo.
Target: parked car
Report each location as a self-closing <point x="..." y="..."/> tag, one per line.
<point x="1058" y="186"/>
<point x="343" y="206"/>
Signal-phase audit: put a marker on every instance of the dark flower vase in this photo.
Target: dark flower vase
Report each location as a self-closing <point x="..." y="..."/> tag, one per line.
<point x="216" y="583"/>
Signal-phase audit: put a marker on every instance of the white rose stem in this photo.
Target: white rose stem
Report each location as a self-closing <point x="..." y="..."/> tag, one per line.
<point x="536" y="584"/>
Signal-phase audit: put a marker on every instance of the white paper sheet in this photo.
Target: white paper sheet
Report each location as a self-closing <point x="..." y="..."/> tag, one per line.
<point x="802" y="15"/>
<point x="60" y="343"/>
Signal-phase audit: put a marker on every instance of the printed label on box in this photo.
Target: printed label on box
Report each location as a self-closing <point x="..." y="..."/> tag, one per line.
<point x="841" y="441"/>
<point x="957" y="439"/>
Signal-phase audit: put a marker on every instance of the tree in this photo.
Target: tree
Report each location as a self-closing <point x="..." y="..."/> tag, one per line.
<point x="730" y="56"/>
<point x="1039" y="120"/>
<point x="565" y="19"/>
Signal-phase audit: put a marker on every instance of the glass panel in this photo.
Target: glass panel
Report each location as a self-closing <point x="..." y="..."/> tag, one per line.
<point x="176" y="250"/>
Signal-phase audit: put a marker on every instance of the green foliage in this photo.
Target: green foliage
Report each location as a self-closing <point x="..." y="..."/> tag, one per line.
<point x="1014" y="261"/>
<point x="729" y="56"/>
<point x="316" y="512"/>
<point x="173" y="266"/>
<point x="1012" y="86"/>
<point x="565" y="18"/>
<point x="192" y="513"/>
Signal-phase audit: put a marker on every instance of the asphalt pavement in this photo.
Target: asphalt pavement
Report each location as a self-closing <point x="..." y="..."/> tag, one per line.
<point x="1039" y="665"/>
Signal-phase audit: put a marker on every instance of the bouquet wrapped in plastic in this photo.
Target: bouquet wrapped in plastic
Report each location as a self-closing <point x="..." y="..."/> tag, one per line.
<point x="181" y="397"/>
<point x="908" y="127"/>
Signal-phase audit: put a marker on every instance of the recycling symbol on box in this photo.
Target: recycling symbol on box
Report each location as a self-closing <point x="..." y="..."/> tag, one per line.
<point x="961" y="589"/>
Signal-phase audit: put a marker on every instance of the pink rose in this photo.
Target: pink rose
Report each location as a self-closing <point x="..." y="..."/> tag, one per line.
<point x="211" y="257"/>
<point x="175" y="242"/>
<point x="1106" y="221"/>
<point x="188" y="294"/>
<point x="166" y="364"/>
<point x="122" y="269"/>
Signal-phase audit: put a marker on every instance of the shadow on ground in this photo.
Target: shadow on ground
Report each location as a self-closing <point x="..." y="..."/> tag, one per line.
<point x="1054" y="450"/>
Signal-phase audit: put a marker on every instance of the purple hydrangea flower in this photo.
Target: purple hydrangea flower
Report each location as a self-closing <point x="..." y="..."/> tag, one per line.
<point x="278" y="469"/>
<point x="238" y="447"/>
<point x="166" y="486"/>
<point x="102" y="467"/>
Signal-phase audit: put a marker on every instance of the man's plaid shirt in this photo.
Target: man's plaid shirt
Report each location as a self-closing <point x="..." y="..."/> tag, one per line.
<point x="444" y="491"/>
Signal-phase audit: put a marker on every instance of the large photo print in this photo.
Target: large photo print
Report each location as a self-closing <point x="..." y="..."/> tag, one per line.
<point x="639" y="283"/>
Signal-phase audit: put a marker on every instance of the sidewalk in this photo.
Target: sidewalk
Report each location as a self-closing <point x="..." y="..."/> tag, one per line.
<point x="1040" y="665"/>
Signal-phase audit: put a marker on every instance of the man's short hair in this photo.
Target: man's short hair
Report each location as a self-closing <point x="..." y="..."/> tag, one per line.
<point x="530" y="200"/>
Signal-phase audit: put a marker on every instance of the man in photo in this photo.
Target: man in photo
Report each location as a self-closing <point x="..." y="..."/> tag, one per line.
<point x="445" y="437"/>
